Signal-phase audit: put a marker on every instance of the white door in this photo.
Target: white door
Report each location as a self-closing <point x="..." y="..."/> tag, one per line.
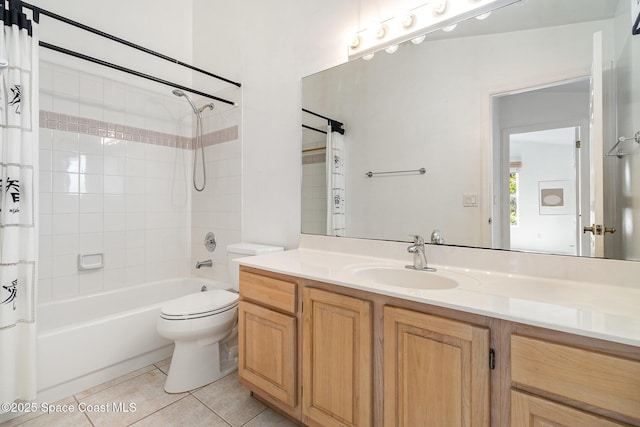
<point x="596" y="133"/>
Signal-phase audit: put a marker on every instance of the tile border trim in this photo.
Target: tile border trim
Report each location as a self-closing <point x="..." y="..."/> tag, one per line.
<point x="81" y="125"/>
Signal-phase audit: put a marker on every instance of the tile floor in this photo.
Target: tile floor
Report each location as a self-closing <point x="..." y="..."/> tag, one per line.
<point x="223" y="403"/>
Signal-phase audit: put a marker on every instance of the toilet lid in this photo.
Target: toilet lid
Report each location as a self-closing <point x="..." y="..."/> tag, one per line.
<point x="201" y="303"/>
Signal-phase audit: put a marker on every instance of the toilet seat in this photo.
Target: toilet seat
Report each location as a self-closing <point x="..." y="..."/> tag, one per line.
<point x="201" y="304"/>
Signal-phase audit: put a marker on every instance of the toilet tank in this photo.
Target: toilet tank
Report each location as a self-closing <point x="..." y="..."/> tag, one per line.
<point x="240" y="250"/>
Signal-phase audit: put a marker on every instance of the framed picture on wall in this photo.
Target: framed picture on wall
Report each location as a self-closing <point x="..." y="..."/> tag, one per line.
<point x="557" y="197"/>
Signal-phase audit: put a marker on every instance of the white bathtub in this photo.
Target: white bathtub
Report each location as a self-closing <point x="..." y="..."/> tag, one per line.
<point x="84" y="341"/>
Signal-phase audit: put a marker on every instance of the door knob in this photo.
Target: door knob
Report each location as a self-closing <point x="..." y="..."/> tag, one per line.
<point x="599" y="229"/>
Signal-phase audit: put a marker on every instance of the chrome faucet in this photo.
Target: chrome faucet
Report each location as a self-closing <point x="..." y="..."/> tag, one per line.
<point x="436" y="238"/>
<point x="207" y="263"/>
<point x="419" y="255"/>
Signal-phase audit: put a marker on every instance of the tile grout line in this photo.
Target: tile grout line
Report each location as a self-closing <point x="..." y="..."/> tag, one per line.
<point x="85" y="413"/>
<point x="158" y="410"/>
<point x="123" y="379"/>
<point x="257" y="415"/>
<point x="210" y="408"/>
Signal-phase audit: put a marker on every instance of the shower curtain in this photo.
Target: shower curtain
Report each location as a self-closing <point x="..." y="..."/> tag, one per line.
<point x="18" y="202"/>
<point x="335" y="180"/>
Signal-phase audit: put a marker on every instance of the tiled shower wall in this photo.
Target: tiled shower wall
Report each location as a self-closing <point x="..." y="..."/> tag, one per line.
<point x="115" y="178"/>
<point x="314" y="193"/>
<point x="217" y="209"/>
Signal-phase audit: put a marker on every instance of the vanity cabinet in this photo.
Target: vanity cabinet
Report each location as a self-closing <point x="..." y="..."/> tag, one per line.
<point x="550" y="380"/>
<point x="328" y="355"/>
<point x="337" y="359"/>
<point x="436" y="371"/>
<point x="267" y="339"/>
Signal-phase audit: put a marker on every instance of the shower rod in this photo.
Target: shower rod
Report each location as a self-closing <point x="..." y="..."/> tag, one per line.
<point x="130" y="71"/>
<point x="314" y="129"/>
<point x="339" y="126"/>
<point x="111" y="37"/>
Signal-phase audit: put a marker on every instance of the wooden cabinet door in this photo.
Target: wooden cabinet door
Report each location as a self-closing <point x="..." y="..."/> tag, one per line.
<point x="267" y="351"/>
<point x="337" y="359"/>
<point x="436" y="371"/>
<point x="532" y="411"/>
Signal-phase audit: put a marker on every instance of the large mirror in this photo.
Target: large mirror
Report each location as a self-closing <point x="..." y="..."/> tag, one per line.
<point x="498" y="134"/>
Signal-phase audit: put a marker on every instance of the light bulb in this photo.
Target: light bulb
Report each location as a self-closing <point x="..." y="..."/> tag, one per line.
<point x="355" y="42"/>
<point x="381" y="31"/>
<point x="392" y="48"/>
<point x="483" y="16"/>
<point x="368" y="57"/>
<point x="408" y="20"/>
<point x="449" y="28"/>
<point x="440" y="7"/>
<point x="418" y="39"/>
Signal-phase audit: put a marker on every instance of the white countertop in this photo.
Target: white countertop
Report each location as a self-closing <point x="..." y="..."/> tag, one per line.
<point x="595" y="310"/>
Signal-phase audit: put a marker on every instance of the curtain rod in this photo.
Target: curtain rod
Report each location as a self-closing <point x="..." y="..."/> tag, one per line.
<point x="130" y="71"/>
<point x="315" y="129"/>
<point x="124" y="42"/>
<point x="322" y="117"/>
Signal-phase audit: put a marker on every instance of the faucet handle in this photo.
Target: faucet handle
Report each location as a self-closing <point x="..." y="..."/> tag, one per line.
<point x="417" y="239"/>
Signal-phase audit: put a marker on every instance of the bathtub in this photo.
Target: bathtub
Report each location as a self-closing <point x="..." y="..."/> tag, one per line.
<point x="87" y="340"/>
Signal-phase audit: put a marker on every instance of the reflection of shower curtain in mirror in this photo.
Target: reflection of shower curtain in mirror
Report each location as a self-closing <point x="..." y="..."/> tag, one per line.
<point x="18" y="202"/>
<point x="335" y="183"/>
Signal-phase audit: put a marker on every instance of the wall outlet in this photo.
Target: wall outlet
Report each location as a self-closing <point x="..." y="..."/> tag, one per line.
<point x="470" y="200"/>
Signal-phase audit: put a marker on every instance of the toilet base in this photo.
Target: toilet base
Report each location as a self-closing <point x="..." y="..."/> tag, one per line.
<point x="195" y="364"/>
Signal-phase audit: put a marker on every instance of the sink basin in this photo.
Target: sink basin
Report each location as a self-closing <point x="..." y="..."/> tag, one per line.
<point x="405" y="278"/>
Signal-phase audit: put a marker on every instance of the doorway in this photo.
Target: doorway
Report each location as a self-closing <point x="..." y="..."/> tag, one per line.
<point x="540" y="187"/>
<point x="544" y="194"/>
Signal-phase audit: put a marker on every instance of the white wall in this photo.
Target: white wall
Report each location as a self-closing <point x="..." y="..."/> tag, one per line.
<point x="269" y="47"/>
<point x="541" y="161"/>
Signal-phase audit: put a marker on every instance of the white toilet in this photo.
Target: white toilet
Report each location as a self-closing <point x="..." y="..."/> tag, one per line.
<point x="203" y="326"/>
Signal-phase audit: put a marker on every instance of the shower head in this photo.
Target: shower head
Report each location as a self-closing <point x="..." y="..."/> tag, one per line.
<point x="196" y="110"/>
<point x="178" y="92"/>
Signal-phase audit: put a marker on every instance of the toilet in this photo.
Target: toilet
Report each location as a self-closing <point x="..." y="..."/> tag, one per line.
<point x="203" y="326"/>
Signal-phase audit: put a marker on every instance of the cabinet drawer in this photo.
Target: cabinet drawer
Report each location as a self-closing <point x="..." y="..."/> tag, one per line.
<point x="268" y="291"/>
<point x="602" y="380"/>
<point x="532" y="411"/>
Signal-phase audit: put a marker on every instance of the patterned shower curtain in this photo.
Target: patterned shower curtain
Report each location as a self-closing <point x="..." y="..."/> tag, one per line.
<point x="335" y="180"/>
<point x="18" y="201"/>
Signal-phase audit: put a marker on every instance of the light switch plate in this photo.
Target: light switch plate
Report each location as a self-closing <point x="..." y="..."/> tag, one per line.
<point x="470" y="200"/>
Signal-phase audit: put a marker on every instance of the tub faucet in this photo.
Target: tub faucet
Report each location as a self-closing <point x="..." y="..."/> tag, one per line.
<point x="207" y="263"/>
<point x="419" y="255"/>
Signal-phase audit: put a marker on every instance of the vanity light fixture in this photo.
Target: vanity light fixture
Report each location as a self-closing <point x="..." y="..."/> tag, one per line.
<point x="413" y="25"/>
<point x="391" y="49"/>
